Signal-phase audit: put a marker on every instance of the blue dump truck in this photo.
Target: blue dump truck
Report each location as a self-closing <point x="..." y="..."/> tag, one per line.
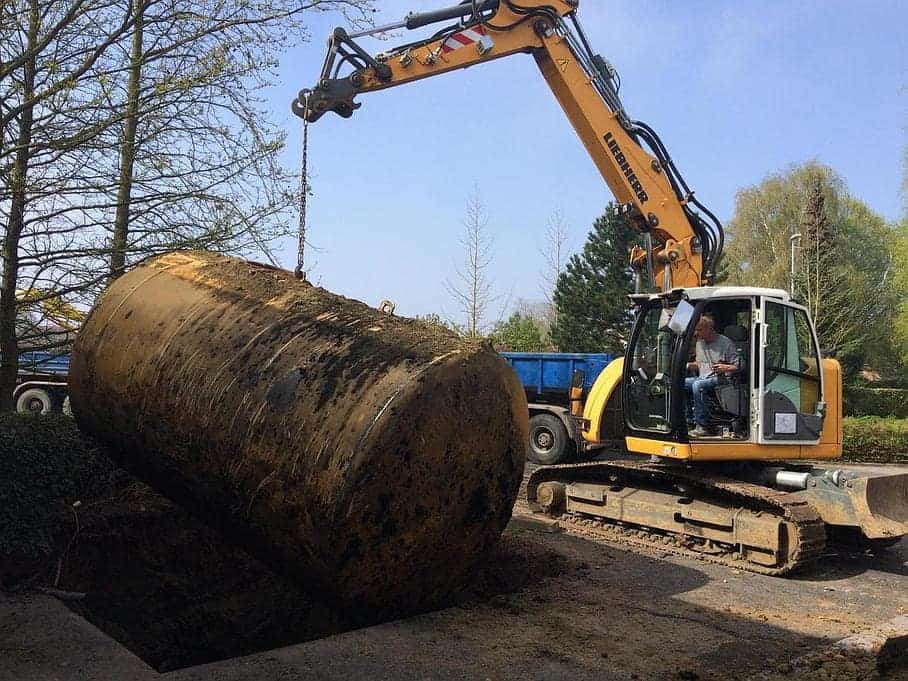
<point x="548" y="378"/>
<point x="41" y="386"/>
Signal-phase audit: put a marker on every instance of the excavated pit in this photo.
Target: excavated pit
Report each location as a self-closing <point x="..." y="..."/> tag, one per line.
<point x="177" y="594"/>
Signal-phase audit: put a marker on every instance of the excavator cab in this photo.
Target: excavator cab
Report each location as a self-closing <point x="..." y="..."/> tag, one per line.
<point x="758" y="372"/>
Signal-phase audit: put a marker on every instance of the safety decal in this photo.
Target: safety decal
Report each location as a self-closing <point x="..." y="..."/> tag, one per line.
<point x="463" y="38"/>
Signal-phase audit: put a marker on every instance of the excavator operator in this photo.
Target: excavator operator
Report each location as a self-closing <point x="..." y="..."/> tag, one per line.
<point x="716" y="358"/>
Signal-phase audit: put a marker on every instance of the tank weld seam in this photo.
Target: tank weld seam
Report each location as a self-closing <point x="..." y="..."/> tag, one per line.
<point x="258" y="489"/>
<point x="365" y="434"/>
<point x="251" y="433"/>
<point x="233" y="471"/>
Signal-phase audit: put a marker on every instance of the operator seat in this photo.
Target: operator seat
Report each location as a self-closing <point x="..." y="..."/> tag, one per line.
<point x="733" y="394"/>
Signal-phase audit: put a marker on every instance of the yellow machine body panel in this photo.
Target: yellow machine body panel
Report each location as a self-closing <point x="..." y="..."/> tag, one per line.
<point x="828" y="447"/>
<point x="600" y="394"/>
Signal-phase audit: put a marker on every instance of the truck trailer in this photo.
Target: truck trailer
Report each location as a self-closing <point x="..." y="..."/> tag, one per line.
<point x="556" y="385"/>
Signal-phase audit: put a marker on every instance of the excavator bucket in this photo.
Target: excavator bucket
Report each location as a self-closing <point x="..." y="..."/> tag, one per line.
<point x="877" y="504"/>
<point x="881" y="503"/>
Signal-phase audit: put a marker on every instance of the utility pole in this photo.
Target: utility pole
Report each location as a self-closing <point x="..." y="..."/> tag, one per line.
<point x="792" y="239"/>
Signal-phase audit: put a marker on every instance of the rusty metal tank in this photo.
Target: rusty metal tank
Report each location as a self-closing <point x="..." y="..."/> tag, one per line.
<point x="372" y="457"/>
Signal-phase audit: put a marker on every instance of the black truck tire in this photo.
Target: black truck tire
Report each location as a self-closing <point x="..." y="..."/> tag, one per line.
<point x="549" y="442"/>
<point x="34" y="401"/>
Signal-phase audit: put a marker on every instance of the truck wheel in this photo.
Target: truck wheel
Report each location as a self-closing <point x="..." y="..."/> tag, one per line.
<point x="549" y="442"/>
<point x="34" y="401"/>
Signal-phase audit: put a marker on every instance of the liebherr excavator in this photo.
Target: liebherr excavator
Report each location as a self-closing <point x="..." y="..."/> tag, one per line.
<point x="738" y="492"/>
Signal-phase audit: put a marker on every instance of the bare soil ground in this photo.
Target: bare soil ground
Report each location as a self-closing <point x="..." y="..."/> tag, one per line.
<point x="548" y="604"/>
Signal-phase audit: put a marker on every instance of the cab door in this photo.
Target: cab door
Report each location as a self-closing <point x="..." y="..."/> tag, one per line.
<point x="791" y="404"/>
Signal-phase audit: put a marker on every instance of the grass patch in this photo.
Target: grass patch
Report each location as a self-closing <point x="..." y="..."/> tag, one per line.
<point x="876" y="439"/>
<point x="46" y="466"/>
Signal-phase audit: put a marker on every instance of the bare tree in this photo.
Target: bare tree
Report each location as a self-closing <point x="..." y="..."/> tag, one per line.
<point x="129" y="128"/>
<point x="555" y="254"/>
<point x="472" y="287"/>
<point x="198" y="157"/>
<point x="47" y="50"/>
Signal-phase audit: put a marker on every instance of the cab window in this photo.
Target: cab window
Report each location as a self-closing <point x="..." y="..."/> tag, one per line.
<point x="649" y="380"/>
<point x="792" y="388"/>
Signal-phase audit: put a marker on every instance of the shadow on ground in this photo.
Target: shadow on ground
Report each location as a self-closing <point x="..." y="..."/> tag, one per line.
<point x="843" y="561"/>
<point x="176" y="594"/>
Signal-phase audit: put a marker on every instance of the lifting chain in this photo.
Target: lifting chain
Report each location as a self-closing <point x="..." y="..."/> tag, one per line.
<point x="299" y="272"/>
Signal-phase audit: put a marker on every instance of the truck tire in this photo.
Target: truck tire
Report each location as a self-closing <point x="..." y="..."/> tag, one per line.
<point x="549" y="441"/>
<point x="34" y="401"/>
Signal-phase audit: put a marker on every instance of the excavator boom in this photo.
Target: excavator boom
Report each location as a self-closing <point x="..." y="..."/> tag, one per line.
<point x="682" y="248"/>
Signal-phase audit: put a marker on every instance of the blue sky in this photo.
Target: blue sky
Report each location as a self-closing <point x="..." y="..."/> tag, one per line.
<point x="736" y="90"/>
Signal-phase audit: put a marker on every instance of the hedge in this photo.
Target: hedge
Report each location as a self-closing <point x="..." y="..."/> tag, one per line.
<point x="876" y="402"/>
<point x="871" y="438"/>
<point x="46" y="465"/>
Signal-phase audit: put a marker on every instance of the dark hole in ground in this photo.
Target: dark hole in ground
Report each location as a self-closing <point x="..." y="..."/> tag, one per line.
<point x="177" y="595"/>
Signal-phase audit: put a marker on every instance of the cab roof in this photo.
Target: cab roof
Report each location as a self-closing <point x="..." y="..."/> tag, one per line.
<point x="707" y="292"/>
<point x="715" y="292"/>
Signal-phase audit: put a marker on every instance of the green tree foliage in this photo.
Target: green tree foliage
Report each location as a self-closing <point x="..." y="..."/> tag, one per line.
<point x="843" y="264"/>
<point x="593" y="314"/>
<point x="520" y="333"/>
<point x="899" y="282"/>
<point x="900" y="286"/>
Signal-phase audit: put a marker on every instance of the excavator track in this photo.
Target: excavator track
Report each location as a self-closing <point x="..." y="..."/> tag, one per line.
<point x="802" y="533"/>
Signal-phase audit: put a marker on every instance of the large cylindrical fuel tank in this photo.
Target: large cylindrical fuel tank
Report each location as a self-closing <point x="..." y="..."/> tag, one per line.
<point x="373" y="457"/>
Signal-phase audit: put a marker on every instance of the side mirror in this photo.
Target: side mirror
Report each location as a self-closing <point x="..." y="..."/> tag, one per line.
<point x="831" y="353"/>
<point x="680" y="319"/>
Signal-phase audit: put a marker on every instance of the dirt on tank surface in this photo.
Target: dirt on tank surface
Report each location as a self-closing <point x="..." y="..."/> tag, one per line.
<point x="375" y="456"/>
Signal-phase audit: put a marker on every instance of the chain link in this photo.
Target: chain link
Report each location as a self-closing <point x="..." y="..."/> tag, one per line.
<point x="304" y="197"/>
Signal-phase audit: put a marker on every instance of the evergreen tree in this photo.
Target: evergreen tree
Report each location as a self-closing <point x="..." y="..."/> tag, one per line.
<point x="593" y="313"/>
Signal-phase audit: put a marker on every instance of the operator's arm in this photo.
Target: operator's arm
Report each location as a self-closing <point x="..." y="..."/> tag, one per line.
<point x="682" y="250"/>
<point x="729" y="361"/>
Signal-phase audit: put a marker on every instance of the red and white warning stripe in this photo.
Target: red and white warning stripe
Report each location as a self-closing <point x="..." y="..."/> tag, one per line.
<point x="463" y="38"/>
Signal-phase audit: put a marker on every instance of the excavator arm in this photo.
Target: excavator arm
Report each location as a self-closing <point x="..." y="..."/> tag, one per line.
<point x="682" y="248"/>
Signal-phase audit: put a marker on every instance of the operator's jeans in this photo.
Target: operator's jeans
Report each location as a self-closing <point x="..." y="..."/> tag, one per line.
<point x="696" y="387"/>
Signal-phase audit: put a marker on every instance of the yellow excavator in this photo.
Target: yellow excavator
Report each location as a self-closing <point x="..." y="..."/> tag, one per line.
<point x="736" y="488"/>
